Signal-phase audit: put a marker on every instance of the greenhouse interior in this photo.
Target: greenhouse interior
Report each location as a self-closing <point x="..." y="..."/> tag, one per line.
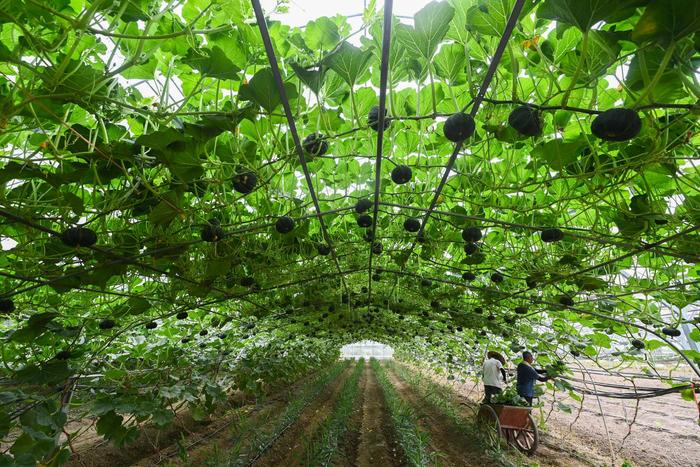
<point x="349" y="233"/>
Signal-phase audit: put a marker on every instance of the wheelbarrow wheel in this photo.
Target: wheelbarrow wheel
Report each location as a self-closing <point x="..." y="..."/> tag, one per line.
<point x="490" y="426"/>
<point x="525" y="439"/>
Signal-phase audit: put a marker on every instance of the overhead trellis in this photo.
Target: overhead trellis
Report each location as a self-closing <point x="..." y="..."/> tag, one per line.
<point x="195" y="181"/>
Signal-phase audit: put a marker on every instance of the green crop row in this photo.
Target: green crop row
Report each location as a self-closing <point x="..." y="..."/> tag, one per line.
<point x="258" y="441"/>
<point x="444" y="400"/>
<point x="413" y="440"/>
<point x="322" y="447"/>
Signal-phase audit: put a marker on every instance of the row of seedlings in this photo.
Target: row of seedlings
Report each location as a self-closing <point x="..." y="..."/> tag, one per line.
<point x="444" y="400"/>
<point x="413" y="441"/>
<point x="323" y="446"/>
<point x="252" y="442"/>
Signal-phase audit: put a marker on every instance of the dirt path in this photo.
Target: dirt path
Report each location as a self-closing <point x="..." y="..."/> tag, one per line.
<point x="445" y="438"/>
<point x="287" y="450"/>
<point x="665" y="433"/>
<point x="377" y="443"/>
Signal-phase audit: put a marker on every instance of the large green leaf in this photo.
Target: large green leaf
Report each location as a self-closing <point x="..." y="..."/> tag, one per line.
<point x="312" y="77"/>
<point x="321" y="34"/>
<point x="667" y="20"/>
<point x="430" y="25"/>
<point x="585" y="13"/>
<point x="212" y="63"/>
<point x="348" y="61"/>
<point x="557" y="153"/>
<point x="263" y="91"/>
<point x="36" y="325"/>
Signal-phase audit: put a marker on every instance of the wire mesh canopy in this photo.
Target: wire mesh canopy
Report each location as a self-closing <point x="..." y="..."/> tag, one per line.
<point x="188" y="182"/>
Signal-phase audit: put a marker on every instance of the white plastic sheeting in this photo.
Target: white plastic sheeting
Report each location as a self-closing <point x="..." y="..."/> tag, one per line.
<point x="367" y="349"/>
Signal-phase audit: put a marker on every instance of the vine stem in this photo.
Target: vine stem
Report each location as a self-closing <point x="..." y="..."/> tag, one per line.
<point x="432" y="87"/>
<point x="657" y="76"/>
<point x="579" y="68"/>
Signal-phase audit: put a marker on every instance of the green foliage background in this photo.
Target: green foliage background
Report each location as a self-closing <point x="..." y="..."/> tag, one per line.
<point x="131" y="117"/>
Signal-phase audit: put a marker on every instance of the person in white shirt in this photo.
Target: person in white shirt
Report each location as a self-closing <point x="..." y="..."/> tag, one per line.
<point x="494" y="375"/>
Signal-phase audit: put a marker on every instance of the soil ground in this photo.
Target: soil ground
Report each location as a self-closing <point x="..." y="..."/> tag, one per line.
<point x="288" y="448"/>
<point x="451" y="446"/>
<point x="665" y="433"/>
<point x="377" y="441"/>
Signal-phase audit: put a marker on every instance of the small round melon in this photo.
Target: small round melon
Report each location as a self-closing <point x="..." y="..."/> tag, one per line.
<point x="107" y="324"/>
<point x="364" y="220"/>
<point x="244" y="180"/>
<point x="212" y="232"/>
<point x="471" y="248"/>
<point x="373" y="119"/>
<point x="497" y="277"/>
<point x="377" y="248"/>
<point x="315" y="145"/>
<point x="401" y="174"/>
<point x="362" y="205"/>
<point x="551" y="235"/>
<point x="323" y="249"/>
<point x="617" y="125"/>
<point x="565" y="300"/>
<point x="182" y="315"/>
<point x="151" y="325"/>
<point x="468" y="276"/>
<point x="459" y="126"/>
<point x="531" y="282"/>
<point x="284" y="224"/>
<point x="671" y="332"/>
<point x="76" y="237"/>
<point x="526" y="120"/>
<point x="7" y="305"/>
<point x="471" y="234"/>
<point x="411" y="224"/>
<point x="63" y="355"/>
<point x="637" y="344"/>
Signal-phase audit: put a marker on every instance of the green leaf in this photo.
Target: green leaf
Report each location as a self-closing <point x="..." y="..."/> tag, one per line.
<point x="557" y="153"/>
<point x="167" y="209"/>
<point x="430" y="25"/>
<point x="667" y="20"/>
<point x="687" y="394"/>
<point x="36" y="325"/>
<point x="601" y="340"/>
<point x="321" y="34"/>
<point x="52" y="372"/>
<point x="312" y="77"/>
<point x="348" y="61"/>
<point x="146" y="70"/>
<point x="450" y="63"/>
<point x="630" y="225"/>
<point x="212" y="63"/>
<point x="489" y="17"/>
<point x="263" y="91"/>
<point x="695" y="335"/>
<point x="585" y="13"/>
<point x="133" y="306"/>
<point x="162" y="417"/>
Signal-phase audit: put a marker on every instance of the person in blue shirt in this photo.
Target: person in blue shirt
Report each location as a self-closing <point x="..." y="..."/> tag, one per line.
<point x="527" y="376"/>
